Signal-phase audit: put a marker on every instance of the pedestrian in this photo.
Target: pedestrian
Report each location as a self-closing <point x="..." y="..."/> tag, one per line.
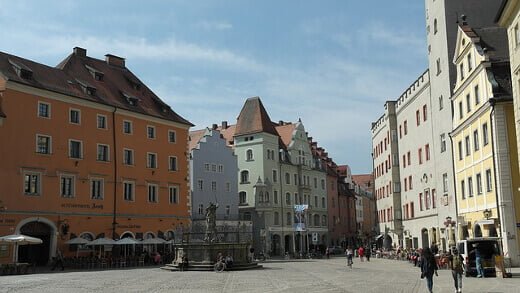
<point x="434" y="248"/>
<point x="58" y="261"/>
<point x="368" y="253"/>
<point x="478" y="261"/>
<point x="361" y="253"/>
<point x="350" y="254"/>
<point x="455" y="262"/>
<point x="428" y="267"/>
<point x="327" y="253"/>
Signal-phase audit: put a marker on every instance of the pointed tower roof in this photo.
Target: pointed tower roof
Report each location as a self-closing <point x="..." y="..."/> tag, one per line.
<point x="254" y="119"/>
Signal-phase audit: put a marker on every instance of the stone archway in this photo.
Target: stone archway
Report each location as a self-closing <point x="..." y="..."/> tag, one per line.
<point x="37" y="254"/>
<point x="49" y="241"/>
<point x="477" y="231"/>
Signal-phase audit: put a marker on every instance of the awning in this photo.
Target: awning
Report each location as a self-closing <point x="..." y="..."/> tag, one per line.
<point x="379" y="237"/>
<point x="485" y="222"/>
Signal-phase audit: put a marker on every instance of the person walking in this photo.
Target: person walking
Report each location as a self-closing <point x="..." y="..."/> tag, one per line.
<point x="350" y="254"/>
<point x="368" y="253"/>
<point x="478" y="261"/>
<point x="361" y="253"/>
<point x="455" y="262"/>
<point x="428" y="267"/>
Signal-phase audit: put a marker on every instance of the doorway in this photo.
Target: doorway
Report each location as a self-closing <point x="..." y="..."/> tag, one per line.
<point x="37" y="254"/>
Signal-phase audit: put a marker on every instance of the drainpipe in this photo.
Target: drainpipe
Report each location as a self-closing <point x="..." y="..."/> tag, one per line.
<point x="492" y="102"/>
<point x="454" y="188"/>
<point x="282" y="238"/>
<point x="114" y="223"/>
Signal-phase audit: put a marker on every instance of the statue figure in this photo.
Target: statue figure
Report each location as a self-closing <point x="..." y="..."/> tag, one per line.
<point x="211" y="225"/>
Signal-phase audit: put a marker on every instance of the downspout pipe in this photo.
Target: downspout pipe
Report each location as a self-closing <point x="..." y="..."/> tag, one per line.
<point x="114" y="211"/>
<point x="492" y="103"/>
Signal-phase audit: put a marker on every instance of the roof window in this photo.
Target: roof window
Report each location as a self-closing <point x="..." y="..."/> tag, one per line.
<point x="96" y="74"/>
<point x="130" y="99"/>
<point x="21" y="70"/>
<point x="86" y="87"/>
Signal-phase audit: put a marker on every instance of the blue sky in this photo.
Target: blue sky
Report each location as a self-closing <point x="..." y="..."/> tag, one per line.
<point x="331" y="63"/>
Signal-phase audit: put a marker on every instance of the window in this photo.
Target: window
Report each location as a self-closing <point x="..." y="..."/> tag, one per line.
<point x="101" y="121"/>
<point x="172" y="163"/>
<point x="435" y="26"/>
<point x="172" y="136"/>
<point x="173" y="194"/>
<point x="479" y="183"/>
<point x="316" y="220"/>
<point x="75" y="116"/>
<point x="412" y="210"/>
<point x="424" y="113"/>
<point x="127" y="127"/>
<point x="322" y="183"/>
<point x="405" y="184"/>
<point x="517" y="36"/>
<point x="249" y="155"/>
<point x="244" y="176"/>
<point x="489" y="184"/>
<point x="275" y="196"/>
<point x="438" y="65"/>
<point x="152" y="192"/>
<point x="206" y="167"/>
<point x="214" y="167"/>
<point x="288" y="198"/>
<point x="266" y="199"/>
<point x="43" y="144"/>
<point x="323" y="202"/>
<point x="476" y="145"/>
<point x="213" y="185"/>
<point x="276" y="218"/>
<point x="461" y="111"/>
<point x="434" y="196"/>
<point x="129" y="188"/>
<point x="151" y="160"/>
<point x="200" y="184"/>
<point x="461" y="71"/>
<point x="32" y="183"/>
<point x="400" y="131"/>
<point x="427" y="199"/>
<point x="408" y="159"/>
<point x="102" y="152"/>
<point x="228" y="187"/>
<point x="220" y="168"/>
<point x="427" y="152"/>
<point x="201" y="209"/>
<point x="470" y="63"/>
<point x="275" y="176"/>
<point x="421" y="201"/>
<point x="67" y="186"/>
<point x="470" y="186"/>
<point x="485" y="139"/>
<point x="287" y="178"/>
<point x="441" y="103"/>
<point x="468" y="145"/>
<point x="443" y="142"/>
<point x="418" y="117"/>
<point x="410" y="186"/>
<point x="461" y="152"/>
<point x="96" y="188"/>
<point x="405" y="125"/>
<point x="128" y="157"/>
<point x="463" y="189"/>
<point x="228" y="210"/>
<point x="150" y="130"/>
<point x="477" y="95"/>
<point x="404" y="161"/>
<point x="315" y="182"/>
<point x="75" y="149"/>
<point x="420" y="155"/>
<point x="445" y="182"/>
<point x="44" y="110"/>
<point x="289" y="218"/>
<point x="296" y="179"/>
<point x="242" y="197"/>
<point x="468" y="103"/>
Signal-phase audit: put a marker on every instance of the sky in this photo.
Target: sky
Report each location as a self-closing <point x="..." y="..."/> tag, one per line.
<point x="332" y="64"/>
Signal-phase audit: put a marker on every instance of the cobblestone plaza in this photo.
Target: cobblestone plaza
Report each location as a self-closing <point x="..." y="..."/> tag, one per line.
<point x="322" y="275"/>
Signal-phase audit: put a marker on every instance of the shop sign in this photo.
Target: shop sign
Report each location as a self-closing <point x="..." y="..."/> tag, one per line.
<point x="82" y="206"/>
<point x="129" y="226"/>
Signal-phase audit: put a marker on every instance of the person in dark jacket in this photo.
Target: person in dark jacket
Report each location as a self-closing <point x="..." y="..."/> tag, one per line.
<point x="428" y="267"/>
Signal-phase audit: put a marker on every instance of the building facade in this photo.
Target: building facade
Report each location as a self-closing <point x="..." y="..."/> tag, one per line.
<point x="87" y="151"/>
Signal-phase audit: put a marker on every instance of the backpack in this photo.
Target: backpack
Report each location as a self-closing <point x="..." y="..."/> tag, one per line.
<point x="456" y="263"/>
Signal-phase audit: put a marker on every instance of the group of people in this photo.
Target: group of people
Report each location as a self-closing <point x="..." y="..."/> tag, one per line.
<point x="429" y="267"/>
<point x="361" y="252"/>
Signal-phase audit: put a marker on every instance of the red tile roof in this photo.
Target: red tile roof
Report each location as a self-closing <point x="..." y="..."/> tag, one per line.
<point x="77" y="73"/>
<point x="195" y="137"/>
<point x="286" y="132"/>
<point x="253" y="118"/>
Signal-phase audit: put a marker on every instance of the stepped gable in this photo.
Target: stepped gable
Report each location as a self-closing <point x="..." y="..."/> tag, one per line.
<point x="107" y="82"/>
<point x="253" y="118"/>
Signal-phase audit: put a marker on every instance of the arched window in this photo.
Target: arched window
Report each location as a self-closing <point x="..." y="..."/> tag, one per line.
<point x="249" y="155"/>
<point x="316" y="220"/>
<point x="289" y="218"/>
<point x="266" y="198"/>
<point x="276" y="218"/>
<point x="288" y="198"/>
<point x="324" y="220"/>
<point x="261" y="196"/>
<point x="323" y="202"/>
<point x="287" y="178"/>
<point x="244" y="176"/>
<point x="242" y="197"/>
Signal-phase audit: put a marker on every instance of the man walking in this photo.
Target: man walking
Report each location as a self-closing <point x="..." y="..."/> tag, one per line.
<point x="455" y="261"/>
<point x="478" y="261"/>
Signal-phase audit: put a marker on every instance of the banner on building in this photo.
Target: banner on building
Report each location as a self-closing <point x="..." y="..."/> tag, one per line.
<point x="299" y="217"/>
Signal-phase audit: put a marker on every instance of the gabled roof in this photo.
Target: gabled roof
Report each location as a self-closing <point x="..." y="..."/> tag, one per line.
<point x="253" y="118"/>
<point x="195" y="137"/>
<point x="73" y="76"/>
<point x="285" y="132"/>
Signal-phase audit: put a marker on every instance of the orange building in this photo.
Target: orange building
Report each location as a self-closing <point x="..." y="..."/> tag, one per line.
<point x="87" y="150"/>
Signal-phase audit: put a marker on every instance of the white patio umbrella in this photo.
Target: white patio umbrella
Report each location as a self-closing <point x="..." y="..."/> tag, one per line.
<point x="77" y="241"/>
<point x="127" y="241"/>
<point x="19" y="239"/>
<point x="153" y="241"/>
<point x="101" y="242"/>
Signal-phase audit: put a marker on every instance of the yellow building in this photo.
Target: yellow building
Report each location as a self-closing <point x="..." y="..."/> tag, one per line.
<point x="509" y="18"/>
<point x="483" y="136"/>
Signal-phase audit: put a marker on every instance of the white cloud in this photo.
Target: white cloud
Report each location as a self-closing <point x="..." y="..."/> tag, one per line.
<point x="214" y="25"/>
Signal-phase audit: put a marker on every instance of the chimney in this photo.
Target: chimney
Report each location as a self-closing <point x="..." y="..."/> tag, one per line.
<point x="214" y="126"/>
<point x="79" y="52"/>
<point x="115" y="60"/>
<point x="281" y="123"/>
<point x="224" y="125"/>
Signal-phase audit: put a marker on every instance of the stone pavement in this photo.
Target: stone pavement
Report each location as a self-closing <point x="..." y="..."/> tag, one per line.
<point x="322" y="275"/>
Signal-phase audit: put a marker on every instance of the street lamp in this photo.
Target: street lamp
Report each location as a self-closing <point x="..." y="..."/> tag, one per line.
<point x="487" y="213"/>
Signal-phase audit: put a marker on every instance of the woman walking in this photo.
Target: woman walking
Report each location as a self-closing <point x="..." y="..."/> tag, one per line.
<point x="428" y="268"/>
<point x="455" y="261"/>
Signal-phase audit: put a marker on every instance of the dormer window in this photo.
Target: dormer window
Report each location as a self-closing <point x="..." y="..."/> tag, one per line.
<point x="134" y="83"/>
<point x="96" y="74"/>
<point x="87" y="88"/>
<point x="131" y="99"/>
<point x="21" y="70"/>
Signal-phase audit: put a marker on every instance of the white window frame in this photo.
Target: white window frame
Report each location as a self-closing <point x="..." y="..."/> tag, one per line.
<point x="131" y="163"/>
<point x="101" y="189"/>
<point x="48" y="110"/>
<point x="132" y="195"/>
<point x="70" y="116"/>
<point x="80" y="149"/>
<point x="148" y="127"/>
<point x="149" y="162"/>
<point x="200" y="184"/>
<point x="38" y="183"/>
<point x="173" y="197"/>
<point x="174" y="167"/>
<point x="213" y="185"/>
<point x="72" y="186"/>
<point x="174" y="136"/>
<point x="207" y="167"/>
<point x="131" y="127"/>
<point x="49" y="147"/>
<point x="106" y="147"/>
<point x="105" y="121"/>
<point x="155" y="195"/>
